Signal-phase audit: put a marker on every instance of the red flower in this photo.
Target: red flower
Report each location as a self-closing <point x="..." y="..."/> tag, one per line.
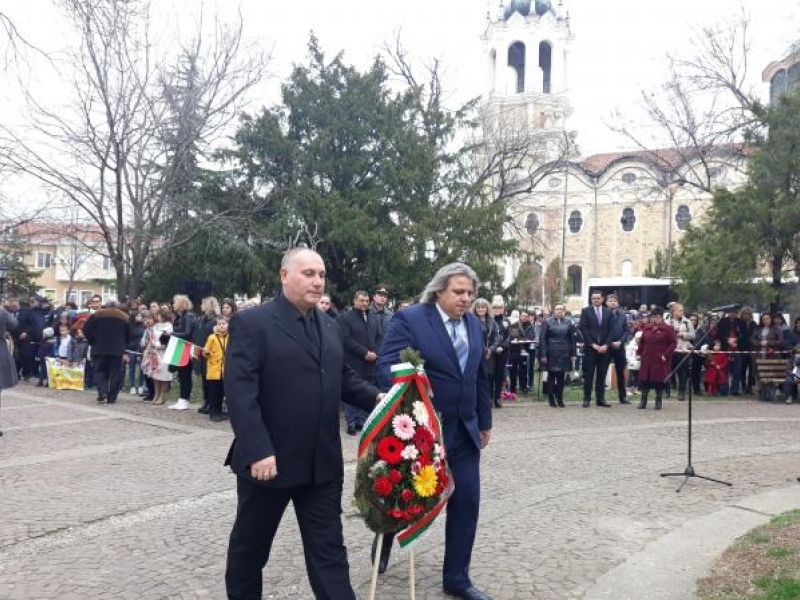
<point x="383" y="487"/>
<point x="407" y="496"/>
<point x="389" y="449"/>
<point x="424" y="460"/>
<point x="423" y="439"/>
<point x="396" y="476"/>
<point x="396" y="513"/>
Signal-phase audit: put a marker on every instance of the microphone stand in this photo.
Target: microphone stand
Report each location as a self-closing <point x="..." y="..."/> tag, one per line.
<point x="689" y="471"/>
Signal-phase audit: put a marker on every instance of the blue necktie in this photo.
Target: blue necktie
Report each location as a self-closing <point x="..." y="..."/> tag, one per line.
<point x="460" y="346"/>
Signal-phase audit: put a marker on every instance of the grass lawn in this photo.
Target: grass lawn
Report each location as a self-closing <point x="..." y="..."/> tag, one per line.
<point x="764" y="564"/>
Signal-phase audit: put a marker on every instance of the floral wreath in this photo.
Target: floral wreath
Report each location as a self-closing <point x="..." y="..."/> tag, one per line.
<point x="402" y="478"/>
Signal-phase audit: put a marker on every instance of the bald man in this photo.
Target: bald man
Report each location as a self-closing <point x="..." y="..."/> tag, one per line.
<point x="285" y="376"/>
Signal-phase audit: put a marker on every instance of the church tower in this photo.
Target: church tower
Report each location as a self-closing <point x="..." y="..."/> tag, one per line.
<point x="526" y="46"/>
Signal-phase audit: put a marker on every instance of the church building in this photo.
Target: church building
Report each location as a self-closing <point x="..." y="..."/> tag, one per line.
<point x="605" y="215"/>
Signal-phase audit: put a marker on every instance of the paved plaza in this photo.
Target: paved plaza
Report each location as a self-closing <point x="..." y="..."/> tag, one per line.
<point x="131" y="501"/>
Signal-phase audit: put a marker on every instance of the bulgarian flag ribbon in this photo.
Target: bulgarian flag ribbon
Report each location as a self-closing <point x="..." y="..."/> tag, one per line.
<point x="179" y="352"/>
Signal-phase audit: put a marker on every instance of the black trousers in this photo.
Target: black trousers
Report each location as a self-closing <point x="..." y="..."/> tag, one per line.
<point x="595" y="366"/>
<point x="555" y="385"/>
<point x="619" y="360"/>
<point x="681" y="368"/>
<point x="518" y="373"/>
<point x="216" y="394"/>
<point x="499" y="375"/>
<point x="319" y="516"/>
<point x="185" y="381"/>
<point x="107" y="375"/>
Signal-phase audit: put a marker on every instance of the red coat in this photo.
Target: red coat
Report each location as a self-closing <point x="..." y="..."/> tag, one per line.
<point x="655" y="349"/>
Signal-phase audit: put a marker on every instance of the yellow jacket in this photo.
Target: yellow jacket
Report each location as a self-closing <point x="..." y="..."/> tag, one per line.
<point x="215" y="356"/>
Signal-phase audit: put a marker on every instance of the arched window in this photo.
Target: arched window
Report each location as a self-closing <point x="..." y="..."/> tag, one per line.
<point x="627" y="268"/>
<point x="516" y="60"/>
<point x="532" y="224"/>
<point x="628" y="219"/>
<point x="575" y="221"/>
<point x="545" y="64"/>
<point x="574" y="280"/>
<point x="683" y="216"/>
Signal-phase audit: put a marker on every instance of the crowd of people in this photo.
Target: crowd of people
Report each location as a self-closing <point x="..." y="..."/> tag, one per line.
<point x="649" y="349"/>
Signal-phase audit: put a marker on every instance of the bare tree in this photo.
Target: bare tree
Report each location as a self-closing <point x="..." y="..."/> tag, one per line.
<point x="127" y="152"/>
<point x="704" y="110"/>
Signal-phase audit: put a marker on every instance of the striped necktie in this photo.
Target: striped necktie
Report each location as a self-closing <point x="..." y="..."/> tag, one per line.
<point x="460" y="346"/>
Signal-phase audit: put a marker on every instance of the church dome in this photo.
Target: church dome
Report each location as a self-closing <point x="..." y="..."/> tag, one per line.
<point x="542" y="7"/>
<point x="523" y="7"/>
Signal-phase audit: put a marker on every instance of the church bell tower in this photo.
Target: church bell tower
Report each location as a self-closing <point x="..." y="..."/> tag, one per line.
<point x="526" y="45"/>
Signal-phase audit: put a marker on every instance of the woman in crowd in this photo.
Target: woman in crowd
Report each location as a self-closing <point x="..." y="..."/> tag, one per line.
<point x="766" y="338"/>
<point x="656" y="347"/>
<point x="8" y="369"/>
<point x="227" y="308"/>
<point x="183" y="327"/>
<point x="205" y="327"/>
<point x="491" y="335"/>
<point x="697" y="361"/>
<point x="556" y="352"/>
<point x="152" y="356"/>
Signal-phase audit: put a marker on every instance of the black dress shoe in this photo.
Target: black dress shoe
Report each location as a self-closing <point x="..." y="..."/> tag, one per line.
<point x="624" y="401"/>
<point x="586" y="403"/>
<point x="603" y="403"/>
<point x="560" y="403"/>
<point x="497" y="404"/>
<point x="471" y="593"/>
<point x="216" y="418"/>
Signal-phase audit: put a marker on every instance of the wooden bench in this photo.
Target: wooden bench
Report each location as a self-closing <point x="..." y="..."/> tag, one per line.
<point x="770" y="375"/>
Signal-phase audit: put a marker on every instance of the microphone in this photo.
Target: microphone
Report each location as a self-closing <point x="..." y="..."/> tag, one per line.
<point x="726" y="308"/>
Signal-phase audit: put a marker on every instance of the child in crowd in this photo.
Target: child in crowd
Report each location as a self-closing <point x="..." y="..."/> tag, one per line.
<point x="80" y="348"/>
<point x="634" y="362"/>
<point x="63" y="348"/>
<point x="716" y="379"/>
<point x="214" y="352"/>
<point x="44" y="351"/>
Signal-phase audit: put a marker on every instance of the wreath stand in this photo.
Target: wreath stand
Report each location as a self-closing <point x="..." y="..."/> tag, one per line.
<point x="412" y="580"/>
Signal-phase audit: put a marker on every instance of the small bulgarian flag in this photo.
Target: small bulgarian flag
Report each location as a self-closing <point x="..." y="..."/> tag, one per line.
<point x="179" y="352"/>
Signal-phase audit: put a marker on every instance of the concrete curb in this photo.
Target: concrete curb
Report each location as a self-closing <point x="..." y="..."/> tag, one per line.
<point x="668" y="568"/>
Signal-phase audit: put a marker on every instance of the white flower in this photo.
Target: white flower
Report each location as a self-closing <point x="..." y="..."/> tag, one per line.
<point x="403" y="427"/>
<point x="410" y="452"/>
<point x="421" y="413"/>
<point x="377" y="468"/>
<point x="438" y="451"/>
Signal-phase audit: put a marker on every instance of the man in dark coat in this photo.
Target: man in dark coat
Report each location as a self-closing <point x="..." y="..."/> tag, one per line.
<point x="108" y="331"/>
<point x="595" y="328"/>
<point x="284" y="378"/>
<point x="380" y="309"/>
<point x="450" y="339"/>
<point x="360" y="337"/>
<point x="616" y="344"/>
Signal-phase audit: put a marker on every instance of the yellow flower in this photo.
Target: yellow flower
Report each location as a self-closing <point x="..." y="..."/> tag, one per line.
<point x="425" y="481"/>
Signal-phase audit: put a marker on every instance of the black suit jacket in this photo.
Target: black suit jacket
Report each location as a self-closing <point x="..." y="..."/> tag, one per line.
<point x="283" y="396"/>
<point x="359" y="337"/>
<point x="592" y="331"/>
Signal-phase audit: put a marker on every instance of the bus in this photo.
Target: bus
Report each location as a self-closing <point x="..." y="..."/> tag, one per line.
<point x="631" y="291"/>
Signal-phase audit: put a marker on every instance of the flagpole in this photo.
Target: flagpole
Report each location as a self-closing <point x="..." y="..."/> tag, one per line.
<point x="374" y="582"/>
<point x="412" y="580"/>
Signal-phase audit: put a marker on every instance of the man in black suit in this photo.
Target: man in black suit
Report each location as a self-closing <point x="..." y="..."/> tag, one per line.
<point x="360" y="335"/>
<point x="595" y="327"/>
<point x="284" y="378"/>
<point x="616" y="344"/>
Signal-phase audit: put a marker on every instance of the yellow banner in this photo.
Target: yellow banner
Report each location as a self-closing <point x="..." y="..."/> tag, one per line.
<point x="63" y="377"/>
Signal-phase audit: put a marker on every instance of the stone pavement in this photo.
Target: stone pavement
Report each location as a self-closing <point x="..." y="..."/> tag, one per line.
<point x="132" y="501"/>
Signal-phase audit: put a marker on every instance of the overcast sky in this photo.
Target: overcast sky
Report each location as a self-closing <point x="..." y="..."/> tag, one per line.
<point x="620" y="46"/>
